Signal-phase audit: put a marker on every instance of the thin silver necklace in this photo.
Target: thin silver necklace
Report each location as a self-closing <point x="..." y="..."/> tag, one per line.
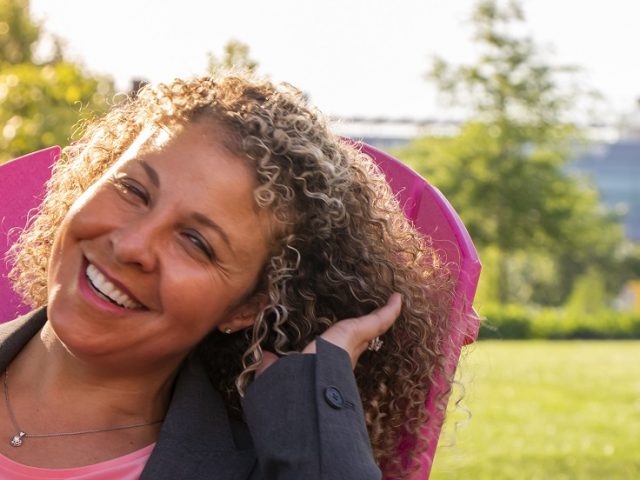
<point x="19" y="437"/>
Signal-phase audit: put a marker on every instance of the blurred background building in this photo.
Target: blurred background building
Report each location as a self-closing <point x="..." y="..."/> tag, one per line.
<point x="615" y="170"/>
<point x="611" y="162"/>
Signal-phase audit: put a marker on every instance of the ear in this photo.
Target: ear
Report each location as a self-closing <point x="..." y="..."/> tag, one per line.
<point x="244" y="315"/>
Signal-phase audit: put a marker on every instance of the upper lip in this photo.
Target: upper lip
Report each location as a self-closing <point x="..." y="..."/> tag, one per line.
<point x="115" y="282"/>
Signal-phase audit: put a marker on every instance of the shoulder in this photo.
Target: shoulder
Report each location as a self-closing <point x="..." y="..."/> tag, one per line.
<point x="15" y="334"/>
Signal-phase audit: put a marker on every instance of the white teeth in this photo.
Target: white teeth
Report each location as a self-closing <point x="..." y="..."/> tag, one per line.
<point x="108" y="289"/>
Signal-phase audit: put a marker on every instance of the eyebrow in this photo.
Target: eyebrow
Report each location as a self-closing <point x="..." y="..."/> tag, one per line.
<point x="207" y="222"/>
<point x="151" y="173"/>
<point x="197" y="216"/>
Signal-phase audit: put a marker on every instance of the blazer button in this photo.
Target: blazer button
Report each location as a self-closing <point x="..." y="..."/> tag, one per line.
<point x="333" y="397"/>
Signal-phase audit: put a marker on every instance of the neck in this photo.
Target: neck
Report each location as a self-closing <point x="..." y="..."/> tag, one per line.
<point x="47" y="377"/>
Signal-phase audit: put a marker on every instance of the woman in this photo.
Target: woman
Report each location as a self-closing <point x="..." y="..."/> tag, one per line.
<point x="191" y="243"/>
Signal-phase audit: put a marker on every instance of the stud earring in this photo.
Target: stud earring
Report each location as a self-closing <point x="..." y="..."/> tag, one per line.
<point x="227" y="330"/>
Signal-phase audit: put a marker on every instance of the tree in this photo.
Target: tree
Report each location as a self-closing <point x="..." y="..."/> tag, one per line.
<point x="18" y="33"/>
<point x="235" y="57"/>
<point x="504" y="171"/>
<point x="40" y="101"/>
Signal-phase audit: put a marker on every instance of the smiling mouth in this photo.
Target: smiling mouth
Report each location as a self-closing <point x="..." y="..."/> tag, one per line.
<point x="109" y="291"/>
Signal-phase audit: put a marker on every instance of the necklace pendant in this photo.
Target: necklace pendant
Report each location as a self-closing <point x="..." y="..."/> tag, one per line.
<point x="16" y="440"/>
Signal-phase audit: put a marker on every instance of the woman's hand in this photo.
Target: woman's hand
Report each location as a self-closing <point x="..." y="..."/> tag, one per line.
<point x="353" y="334"/>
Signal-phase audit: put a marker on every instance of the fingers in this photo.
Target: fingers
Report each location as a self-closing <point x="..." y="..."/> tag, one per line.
<point x="354" y="334"/>
<point x="375" y="324"/>
<point x="379" y="321"/>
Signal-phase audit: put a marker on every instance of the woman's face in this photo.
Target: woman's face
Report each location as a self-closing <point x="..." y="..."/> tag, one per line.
<point x="165" y="247"/>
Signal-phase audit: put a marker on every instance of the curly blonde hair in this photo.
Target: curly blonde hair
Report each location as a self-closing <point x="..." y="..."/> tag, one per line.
<point x="343" y="249"/>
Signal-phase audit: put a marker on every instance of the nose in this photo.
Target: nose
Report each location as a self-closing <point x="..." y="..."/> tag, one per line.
<point x="135" y="244"/>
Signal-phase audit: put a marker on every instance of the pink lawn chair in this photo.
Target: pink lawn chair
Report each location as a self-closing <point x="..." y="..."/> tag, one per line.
<point x="21" y="190"/>
<point x="22" y="187"/>
<point x="434" y="216"/>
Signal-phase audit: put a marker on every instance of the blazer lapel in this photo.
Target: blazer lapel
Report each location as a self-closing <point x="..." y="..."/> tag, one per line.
<point x="197" y="439"/>
<point x="16" y="334"/>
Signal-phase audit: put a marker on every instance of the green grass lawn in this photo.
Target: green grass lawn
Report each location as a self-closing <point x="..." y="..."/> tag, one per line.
<point x="545" y="410"/>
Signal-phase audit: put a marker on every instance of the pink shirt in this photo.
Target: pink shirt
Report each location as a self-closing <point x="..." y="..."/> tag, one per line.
<point x="127" y="467"/>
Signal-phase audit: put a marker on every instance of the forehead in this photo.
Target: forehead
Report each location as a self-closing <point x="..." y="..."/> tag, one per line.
<point x="195" y="148"/>
<point x="199" y="173"/>
<point x="156" y="138"/>
<point x="151" y="138"/>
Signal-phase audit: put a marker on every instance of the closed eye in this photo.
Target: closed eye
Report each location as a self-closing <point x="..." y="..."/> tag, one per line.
<point x="129" y="186"/>
<point x="200" y="243"/>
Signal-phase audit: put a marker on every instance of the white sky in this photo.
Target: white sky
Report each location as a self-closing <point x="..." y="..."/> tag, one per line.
<point x="354" y="57"/>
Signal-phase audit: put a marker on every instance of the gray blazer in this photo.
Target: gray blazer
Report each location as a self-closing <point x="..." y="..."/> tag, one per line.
<point x="304" y="420"/>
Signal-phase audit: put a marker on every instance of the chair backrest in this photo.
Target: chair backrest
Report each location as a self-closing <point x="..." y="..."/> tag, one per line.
<point x="434" y="217"/>
<point x="22" y="186"/>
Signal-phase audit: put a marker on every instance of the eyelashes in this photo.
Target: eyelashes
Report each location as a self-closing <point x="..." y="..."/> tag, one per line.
<point x="131" y="187"/>
<point x="196" y="239"/>
<point x="134" y="192"/>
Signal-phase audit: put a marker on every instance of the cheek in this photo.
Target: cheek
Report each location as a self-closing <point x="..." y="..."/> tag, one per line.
<point x="198" y="301"/>
<point x="70" y="231"/>
<point x="89" y="213"/>
<point x="58" y="247"/>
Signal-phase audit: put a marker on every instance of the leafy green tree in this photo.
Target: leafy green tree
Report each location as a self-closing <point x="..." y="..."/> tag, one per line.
<point x="588" y="295"/>
<point x="235" y="57"/>
<point x="40" y="101"/>
<point x="504" y="171"/>
<point x="18" y="33"/>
